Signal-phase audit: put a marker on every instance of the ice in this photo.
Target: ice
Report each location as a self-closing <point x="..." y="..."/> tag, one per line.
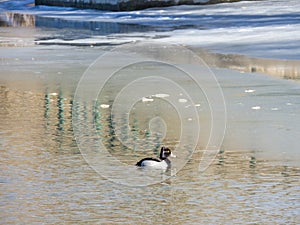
<point x="249" y="91"/>
<point x="104" y="106"/>
<point x="182" y="100"/>
<point x="144" y="99"/>
<point x="274" y="109"/>
<point x="265" y="29"/>
<point x="161" y="95"/>
<point x="256" y="107"/>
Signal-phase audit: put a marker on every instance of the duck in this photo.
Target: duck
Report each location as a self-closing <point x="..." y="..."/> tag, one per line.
<point x="162" y="163"/>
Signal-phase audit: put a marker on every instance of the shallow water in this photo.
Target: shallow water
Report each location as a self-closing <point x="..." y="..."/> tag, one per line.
<point x="45" y="178"/>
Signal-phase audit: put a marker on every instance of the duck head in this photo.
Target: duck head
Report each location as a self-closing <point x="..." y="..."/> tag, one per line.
<point x="165" y="153"/>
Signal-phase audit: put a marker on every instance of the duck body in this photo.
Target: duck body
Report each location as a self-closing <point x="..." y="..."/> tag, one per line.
<point x="162" y="163"/>
<point x="154" y="163"/>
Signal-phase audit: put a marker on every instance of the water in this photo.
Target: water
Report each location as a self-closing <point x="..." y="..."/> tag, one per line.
<point x="45" y="179"/>
<point x="254" y="178"/>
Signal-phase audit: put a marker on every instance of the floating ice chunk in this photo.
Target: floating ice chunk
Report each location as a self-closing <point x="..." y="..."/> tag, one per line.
<point x="288" y="103"/>
<point x="182" y="100"/>
<point x="104" y="106"/>
<point x="144" y="99"/>
<point x="274" y="109"/>
<point x="160" y="95"/>
<point x="256" y="107"/>
<point x="249" y="91"/>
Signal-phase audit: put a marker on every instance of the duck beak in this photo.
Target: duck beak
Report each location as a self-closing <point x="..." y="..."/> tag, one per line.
<point x="172" y="155"/>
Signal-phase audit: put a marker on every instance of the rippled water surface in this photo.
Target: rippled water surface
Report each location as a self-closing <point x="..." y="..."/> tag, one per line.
<point x="254" y="179"/>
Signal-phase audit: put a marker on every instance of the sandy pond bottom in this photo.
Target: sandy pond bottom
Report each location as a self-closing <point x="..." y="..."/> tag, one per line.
<point x="44" y="178"/>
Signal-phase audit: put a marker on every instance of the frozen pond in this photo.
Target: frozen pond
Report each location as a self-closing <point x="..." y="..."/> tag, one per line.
<point x="264" y="29"/>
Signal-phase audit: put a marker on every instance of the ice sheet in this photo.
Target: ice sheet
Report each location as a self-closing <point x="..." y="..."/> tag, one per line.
<point x="265" y="29"/>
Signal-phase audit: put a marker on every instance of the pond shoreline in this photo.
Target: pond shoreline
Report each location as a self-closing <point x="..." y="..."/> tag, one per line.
<point x="280" y="68"/>
<point x="127" y="5"/>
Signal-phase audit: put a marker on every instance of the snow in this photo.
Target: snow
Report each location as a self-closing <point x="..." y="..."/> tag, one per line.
<point x="264" y="29"/>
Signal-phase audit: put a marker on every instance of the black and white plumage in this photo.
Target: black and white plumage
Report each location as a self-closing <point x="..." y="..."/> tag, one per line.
<point x="162" y="163"/>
